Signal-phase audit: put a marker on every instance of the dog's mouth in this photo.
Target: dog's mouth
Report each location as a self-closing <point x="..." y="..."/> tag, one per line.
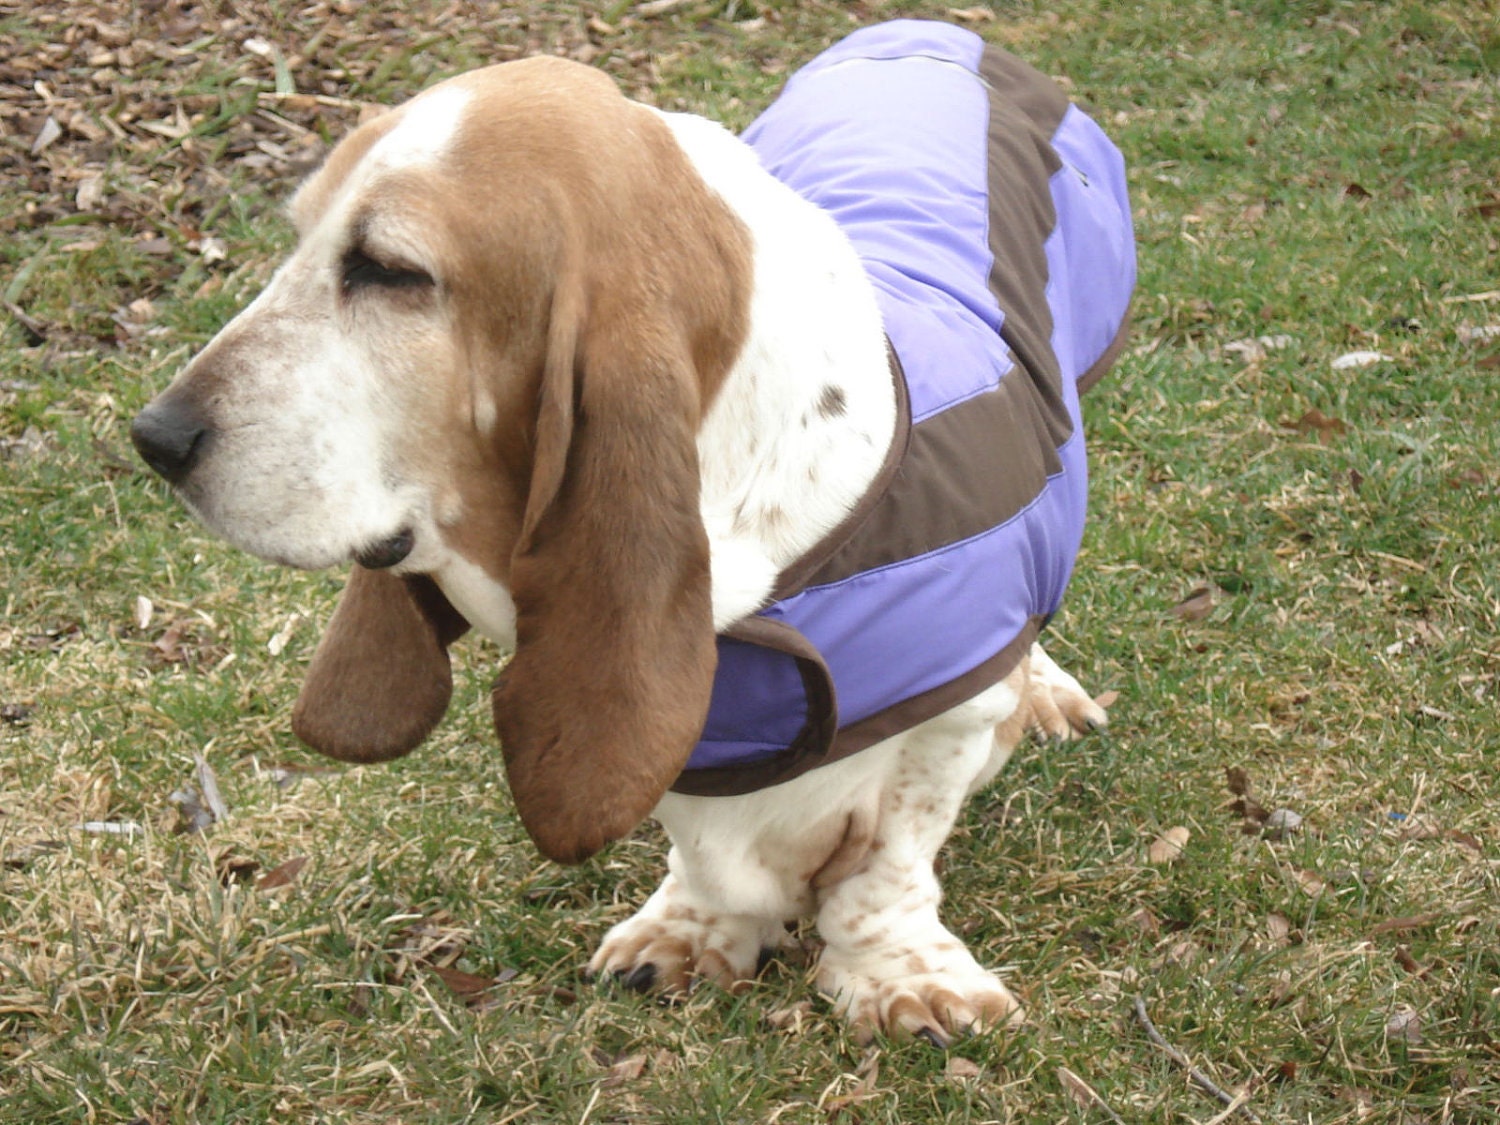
<point x="387" y="552"/>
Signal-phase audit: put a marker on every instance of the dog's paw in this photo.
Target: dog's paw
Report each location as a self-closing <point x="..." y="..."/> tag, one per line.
<point x="668" y="947"/>
<point x="1059" y="707"/>
<point x="928" y="996"/>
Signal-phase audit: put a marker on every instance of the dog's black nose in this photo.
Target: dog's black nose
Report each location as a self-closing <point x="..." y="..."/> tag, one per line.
<point x="169" y="437"/>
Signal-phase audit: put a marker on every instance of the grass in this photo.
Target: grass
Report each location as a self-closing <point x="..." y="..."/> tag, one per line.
<point x="1321" y="174"/>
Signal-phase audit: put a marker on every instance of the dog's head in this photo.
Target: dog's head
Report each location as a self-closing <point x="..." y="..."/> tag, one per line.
<point x="510" y="304"/>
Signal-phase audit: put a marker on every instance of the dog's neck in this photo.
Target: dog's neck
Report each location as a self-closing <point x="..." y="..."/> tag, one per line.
<point x="803" y="422"/>
<point x="806" y="415"/>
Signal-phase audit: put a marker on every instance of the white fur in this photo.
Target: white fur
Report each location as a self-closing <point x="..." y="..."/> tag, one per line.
<point x="426" y="130"/>
<point x="778" y="473"/>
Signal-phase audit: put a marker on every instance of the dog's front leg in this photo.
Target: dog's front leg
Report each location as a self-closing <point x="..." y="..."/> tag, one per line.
<point x="889" y="964"/>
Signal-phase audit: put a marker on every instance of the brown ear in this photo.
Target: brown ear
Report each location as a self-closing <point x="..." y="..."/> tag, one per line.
<point x="606" y="695"/>
<point x="380" y="678"/>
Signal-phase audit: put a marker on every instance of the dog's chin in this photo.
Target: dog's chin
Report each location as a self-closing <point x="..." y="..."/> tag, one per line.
<point x="280" y="545"/>
<point x="302" y="555"/>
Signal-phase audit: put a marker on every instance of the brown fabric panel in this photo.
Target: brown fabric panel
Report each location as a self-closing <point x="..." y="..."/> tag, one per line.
<point x="1026" y="107"/>
<point x="990" y="443"/>
<point x="804" y="755"/>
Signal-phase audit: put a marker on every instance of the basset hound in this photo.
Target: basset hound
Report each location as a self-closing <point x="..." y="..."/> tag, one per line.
<point x="761" y="454"/>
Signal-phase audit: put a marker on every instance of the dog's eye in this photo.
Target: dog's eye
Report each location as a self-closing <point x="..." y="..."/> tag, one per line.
<point x="360" y="271"/>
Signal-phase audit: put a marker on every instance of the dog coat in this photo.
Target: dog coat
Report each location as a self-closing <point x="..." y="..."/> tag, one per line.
<point x="993" y="220"/>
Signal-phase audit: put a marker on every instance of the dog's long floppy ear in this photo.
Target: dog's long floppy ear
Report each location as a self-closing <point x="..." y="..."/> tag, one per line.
<point x="606" y="695"/>
<point x="380" y="679"/>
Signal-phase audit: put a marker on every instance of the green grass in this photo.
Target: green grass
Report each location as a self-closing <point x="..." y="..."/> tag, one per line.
<point x="1321" y="171"/>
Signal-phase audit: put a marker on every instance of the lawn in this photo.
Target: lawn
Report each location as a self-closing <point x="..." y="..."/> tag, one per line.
<point x="1292" y="581"/>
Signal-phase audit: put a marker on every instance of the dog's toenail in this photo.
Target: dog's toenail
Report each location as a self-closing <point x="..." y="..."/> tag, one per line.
<point x="934" y="1037"/>
<point x="641" y="978"/>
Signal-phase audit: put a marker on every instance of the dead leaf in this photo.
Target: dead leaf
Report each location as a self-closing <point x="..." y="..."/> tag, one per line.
<point x="1184" y="954"/>
<point x="1309" y="880"/>
<point x="1196" y="606"/>
<point x="1167" y="848"/>
<point x="208" y="781"/>
<point x="971" y="15"/>
<point x="21" y="857"/>
<point x="469" y="987"/>
<point x="1357" y="191"/>
<point x="1359" y="359"/>
<point x="1405" y="1025"/>
<point x="623" y="1070"/>
<point x="1238" y="780"/>
<point x="1314" y="421"/>
<point x="90" y="193"/>
<point x="1106" y="699"/>
<point x="1465" y="839"/>
<point x="282" y="875"/>
<point x="1278" y="928"/>
<point x="236" y="869"/>
<point x="1410" y="922"/>
<point x="46" y="136"/>
<point x="1281" y="823"/>
<point x="143" y="611"/>
<point x="186" y="641"/>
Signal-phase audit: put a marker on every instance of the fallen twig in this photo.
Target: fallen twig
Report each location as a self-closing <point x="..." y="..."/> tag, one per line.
<point x="1203" y="1081"/>
<point x="659" y="7"/>
<point x="1085" y="1095"/>
<point x="36" y="333"/>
